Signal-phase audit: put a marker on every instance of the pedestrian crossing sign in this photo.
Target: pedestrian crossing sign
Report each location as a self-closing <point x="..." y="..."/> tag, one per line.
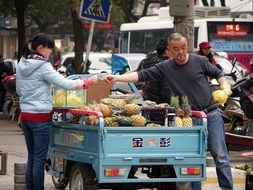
<point x="97" y="10"/>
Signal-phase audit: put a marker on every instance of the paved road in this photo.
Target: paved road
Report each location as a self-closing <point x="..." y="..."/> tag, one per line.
<point x="12" y="141"/>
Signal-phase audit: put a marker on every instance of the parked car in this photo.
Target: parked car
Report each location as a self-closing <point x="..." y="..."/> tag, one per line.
<point x="100" y="62"/>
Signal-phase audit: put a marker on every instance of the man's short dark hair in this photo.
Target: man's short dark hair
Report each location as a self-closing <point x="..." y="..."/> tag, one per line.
<point x="161" y="46"/>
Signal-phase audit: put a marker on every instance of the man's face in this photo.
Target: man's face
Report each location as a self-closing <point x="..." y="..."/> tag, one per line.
<point x="179" y="50"/>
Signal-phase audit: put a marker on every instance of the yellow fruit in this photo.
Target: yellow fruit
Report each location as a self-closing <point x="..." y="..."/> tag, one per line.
<point x="73" y="100"/>
<point x="59" y="99"/>
<point x="92" y="120"/>
<point x="220" y="97"/>
<point x="131" y="109"/>
<point x="118" y="103"/>
<point x="138" y="120"/>
<point x="105" y="110"/>
<point x="178" y="122"/>
<point x="187" y="121"/>
<point x="110" y="122"/>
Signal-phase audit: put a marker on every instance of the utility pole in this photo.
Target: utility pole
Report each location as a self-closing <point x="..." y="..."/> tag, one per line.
<point x="183" y="13"/>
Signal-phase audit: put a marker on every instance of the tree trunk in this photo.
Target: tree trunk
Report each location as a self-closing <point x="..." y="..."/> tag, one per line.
<point x="184" y="22"/>
<point x="78" y="40"/>
<point x="205" y="3"/>
<point x="163" y="3"/>
<point x="20" y="6"/>
<point x="212" y="3"/>
<point x="222" y="2"/>
<point x="185" y="26"/>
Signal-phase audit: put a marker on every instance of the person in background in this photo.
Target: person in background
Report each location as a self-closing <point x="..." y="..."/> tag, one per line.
<point x="153" y="90"/>
<point x="34" y="77"/>
<point x="71" y="68"/>
<point x="205" y="50"/>
<point x="3" y="70"/>
<point x="56" y="58"/>
<point x="186" y="75"/>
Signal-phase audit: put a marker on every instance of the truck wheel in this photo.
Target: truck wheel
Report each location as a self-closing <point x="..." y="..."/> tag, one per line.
<point x="59" y="184"/>
<point x="82" y="178"/>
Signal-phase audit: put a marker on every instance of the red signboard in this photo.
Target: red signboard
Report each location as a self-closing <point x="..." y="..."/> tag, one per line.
<point x="234" y="30"/>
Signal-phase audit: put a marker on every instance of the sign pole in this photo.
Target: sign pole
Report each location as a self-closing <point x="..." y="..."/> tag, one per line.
<point x="89" y="43"/>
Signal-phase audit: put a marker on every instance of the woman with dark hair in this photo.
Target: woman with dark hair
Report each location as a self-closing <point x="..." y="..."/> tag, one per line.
<point x="205" y="50"/>
<point x="35" y="75"/>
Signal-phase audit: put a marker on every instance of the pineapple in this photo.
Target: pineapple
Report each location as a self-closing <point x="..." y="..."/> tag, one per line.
<point x="138" y="120"/>
<point x="123" y="120"/>
<point x="92" y="120"/>
<point x="105" y="110"/>
<point x="118" y="103"/>
<point x="175" y="103"/>
<point x="131" y="109"/>
<point x="107" y="101"/>
<point x="186" y="120"/>
<point x="110" y="122"/>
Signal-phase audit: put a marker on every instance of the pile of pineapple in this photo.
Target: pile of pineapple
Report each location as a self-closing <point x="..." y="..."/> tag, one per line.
<point x="183" y="112"/>
<point x="116" y="112"/>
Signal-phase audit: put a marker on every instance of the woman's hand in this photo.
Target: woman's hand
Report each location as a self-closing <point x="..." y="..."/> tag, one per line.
<point x="110" y="78"/>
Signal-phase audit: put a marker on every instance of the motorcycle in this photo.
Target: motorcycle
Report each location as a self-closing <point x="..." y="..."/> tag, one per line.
<point x="11" y="107"/>
<point x="237" y="112"/>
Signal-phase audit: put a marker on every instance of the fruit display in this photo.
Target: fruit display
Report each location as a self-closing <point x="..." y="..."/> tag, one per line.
<point x="182" y="113"/>
<point x="59" y="99"/>
<point x="69" y="98"/>
<point x="117" y="112"/>
<point x="124" y="112"/>
<point x="175" y="103"/>
<point x="186" y="107"/>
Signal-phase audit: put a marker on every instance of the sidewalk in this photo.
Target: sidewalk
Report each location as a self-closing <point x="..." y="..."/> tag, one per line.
<point x="12" y="141"/>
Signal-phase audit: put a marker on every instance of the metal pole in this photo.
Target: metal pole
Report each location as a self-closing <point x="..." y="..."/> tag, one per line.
<point x="89" y="43"/>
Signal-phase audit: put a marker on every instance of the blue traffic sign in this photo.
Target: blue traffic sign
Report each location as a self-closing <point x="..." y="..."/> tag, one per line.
<point x="98" y="10"/>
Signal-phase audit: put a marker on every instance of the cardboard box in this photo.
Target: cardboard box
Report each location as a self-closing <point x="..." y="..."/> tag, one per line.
<point x="98" y="91"/>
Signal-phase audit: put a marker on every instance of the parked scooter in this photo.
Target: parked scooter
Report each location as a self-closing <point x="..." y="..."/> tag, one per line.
<point x="11" y="107"/>
<point x="238" y="111"/>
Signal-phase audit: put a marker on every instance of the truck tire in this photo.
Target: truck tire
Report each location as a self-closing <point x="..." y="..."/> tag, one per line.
<point x="82" y="178"/>
<point x="60" y="184"/>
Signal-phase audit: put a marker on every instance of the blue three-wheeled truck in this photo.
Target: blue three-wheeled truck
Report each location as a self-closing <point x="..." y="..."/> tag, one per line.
<point x="86" y="157"/>
<point x="92" y="157"/>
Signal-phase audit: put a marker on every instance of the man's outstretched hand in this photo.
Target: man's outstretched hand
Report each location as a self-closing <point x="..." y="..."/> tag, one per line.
<point x="109" y="79"/>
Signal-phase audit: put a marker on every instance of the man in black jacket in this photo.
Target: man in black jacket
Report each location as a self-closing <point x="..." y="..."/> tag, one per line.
<point x="154" y="90"/>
